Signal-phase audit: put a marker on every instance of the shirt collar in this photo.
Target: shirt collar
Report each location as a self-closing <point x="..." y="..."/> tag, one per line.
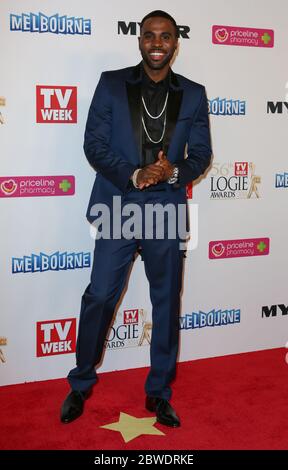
<point x="147" y="81"/>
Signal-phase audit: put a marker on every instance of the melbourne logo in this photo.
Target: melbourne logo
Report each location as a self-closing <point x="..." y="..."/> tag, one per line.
<point x="55" y="262"/>
<point x="234" y="180"/>
<point x="56" y="337"/>
<point x="40" y="23"/>
<point x="133" y="28"/>
<point x="224" y="107"/>
<point x="239" y="36"/>
<point x="56" y="104"/>
<point x="281" y="180"/>
<point x="239" y="248"/>
<point x="213" y="318"/>
<point x="131" y="328"/>
<point x="29" y="186"/>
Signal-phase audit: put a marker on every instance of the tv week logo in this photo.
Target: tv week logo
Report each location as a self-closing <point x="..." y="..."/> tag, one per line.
<point x="56" y="337"/>
<point x="131" y="317"/>
<point x="241" y="168"/>
<point x="56" y="104"/>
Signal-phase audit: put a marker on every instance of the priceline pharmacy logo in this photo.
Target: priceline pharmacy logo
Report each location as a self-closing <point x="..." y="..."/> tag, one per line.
<point x="239" y="36"/>
<point x="28" y="186"/>
<point x="239" y="248"/>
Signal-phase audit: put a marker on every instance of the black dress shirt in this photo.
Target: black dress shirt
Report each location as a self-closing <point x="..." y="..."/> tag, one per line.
<point x="154" y="94"/>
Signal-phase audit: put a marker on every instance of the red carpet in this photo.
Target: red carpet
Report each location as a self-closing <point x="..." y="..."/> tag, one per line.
<point x="231" y="402"/>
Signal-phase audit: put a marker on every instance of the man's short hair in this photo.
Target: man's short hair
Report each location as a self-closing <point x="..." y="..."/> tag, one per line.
<point x="161" y="14"/>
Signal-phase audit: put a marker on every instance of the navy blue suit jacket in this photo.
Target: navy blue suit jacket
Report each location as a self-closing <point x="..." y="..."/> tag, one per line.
<point x="113" y="132"/>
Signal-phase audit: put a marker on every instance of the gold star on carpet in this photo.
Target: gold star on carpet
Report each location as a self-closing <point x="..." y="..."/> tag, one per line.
<point x="131" y="427"/>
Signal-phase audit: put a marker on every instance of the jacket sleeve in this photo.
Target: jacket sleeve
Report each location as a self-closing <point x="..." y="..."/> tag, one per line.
<point x="97" y="139"/>
<point x="199" y="145"/>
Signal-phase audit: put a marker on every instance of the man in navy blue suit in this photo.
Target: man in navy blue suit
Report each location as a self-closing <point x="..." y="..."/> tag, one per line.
<point x="140" y="121"/>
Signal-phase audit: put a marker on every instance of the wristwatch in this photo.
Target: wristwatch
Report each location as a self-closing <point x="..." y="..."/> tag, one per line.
<point x="174" y="178"/>
<point x="134" y="178"/>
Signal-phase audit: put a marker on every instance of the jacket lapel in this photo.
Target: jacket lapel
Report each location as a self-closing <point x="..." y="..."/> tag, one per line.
<point x="172" y="112"/>
<point x="133" y="88"/>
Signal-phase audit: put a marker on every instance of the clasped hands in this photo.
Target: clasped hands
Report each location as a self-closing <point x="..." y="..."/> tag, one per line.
<point x="156" y="172"/>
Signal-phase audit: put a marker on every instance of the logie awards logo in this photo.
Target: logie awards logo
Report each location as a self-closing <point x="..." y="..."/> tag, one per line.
<point x="234" y="180"/>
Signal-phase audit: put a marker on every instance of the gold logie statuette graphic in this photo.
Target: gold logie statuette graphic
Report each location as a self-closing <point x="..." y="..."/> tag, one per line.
<point x="3" y="342"/>
<point x="255" y="180"/>
<point x="234" y="180"/>
<point x="146" y="328"/>
<point x="2" y="103"/>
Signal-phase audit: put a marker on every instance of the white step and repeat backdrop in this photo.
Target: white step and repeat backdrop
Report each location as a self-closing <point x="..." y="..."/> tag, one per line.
<point x="235" y="292"/>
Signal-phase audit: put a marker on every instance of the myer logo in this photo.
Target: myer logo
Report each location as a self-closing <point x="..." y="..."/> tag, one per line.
<point x="56" y="337"/>
<point x="277" y="107"/>
<point x="273" y="310"/>
<point x="56" y="104"/>
<point x="133" y="28"/>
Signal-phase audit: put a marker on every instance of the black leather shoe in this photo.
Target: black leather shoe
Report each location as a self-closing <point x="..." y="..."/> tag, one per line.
<point x="73" y="406"/>
<point x="164" y="411"/>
